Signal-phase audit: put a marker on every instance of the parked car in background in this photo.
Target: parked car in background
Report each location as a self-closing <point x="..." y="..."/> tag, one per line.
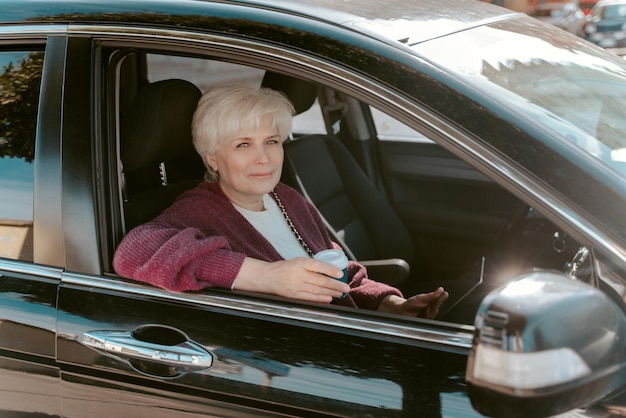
<point x="607" y="25"/>
<point x="484" y="148"/>
<point x="566" y="15"/>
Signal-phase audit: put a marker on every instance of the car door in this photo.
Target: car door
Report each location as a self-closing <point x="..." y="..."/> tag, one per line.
<point x="126" y="348"/>
<point x="253" y="357"/>
<point x="29" y="271"/>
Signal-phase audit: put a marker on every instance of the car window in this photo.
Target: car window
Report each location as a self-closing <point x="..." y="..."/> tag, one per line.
<point x="614" y="11"/>
<point x="203" y="73"/>
<point x="390" y="129"/>
<point x="576" y="92"/>
<point x="150" y="183"/>
<point x="20" y="79"/>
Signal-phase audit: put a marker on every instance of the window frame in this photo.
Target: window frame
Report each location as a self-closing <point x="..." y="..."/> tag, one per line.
<point x="248" y="52"/>
<point x="20" y="39"/>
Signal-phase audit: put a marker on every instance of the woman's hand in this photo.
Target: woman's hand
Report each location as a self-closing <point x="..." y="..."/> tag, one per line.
<point x="299" y="278"/>
<point x="424" y="305"/>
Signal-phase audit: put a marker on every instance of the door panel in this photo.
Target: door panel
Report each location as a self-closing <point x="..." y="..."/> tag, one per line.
<point x="452" y="210"/>
<point x="29" y="388"/>
<point x="28" y="373"/>
<point x="268" y="363"/>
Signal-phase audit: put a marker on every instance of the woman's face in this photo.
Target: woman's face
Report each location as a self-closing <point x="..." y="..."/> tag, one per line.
<point x="249" y="165"/>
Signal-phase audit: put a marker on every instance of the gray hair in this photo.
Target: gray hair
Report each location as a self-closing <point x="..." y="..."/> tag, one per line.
<point x="227" y="108"/>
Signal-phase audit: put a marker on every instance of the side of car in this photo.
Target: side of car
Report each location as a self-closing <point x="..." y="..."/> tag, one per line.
<point x="77" y="335"/>
<point x="84" y="332"/>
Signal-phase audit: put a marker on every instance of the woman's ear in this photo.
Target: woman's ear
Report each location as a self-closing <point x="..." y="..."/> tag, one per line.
<point x="211" y="161"/>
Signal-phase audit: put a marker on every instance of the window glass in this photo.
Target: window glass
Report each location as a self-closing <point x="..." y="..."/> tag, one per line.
<point x="199" y="71"/>
<point x="390" y="129"/>
<point x="310" y="122"/>
<point x="204" y="72"/>
<point x="20" y="79"/>
<point x="561" y="85"/>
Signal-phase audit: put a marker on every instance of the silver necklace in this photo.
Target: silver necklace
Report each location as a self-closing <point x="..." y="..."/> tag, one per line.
<point x="291" y="226"/>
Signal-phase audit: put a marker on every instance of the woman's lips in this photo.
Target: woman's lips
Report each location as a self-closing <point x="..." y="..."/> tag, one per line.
<point x="262" y="176"/>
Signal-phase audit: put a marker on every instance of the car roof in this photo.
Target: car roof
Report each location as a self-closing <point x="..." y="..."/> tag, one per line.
<point x="409" y="22"/>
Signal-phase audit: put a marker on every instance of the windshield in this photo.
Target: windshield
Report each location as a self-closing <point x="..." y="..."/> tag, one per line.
<point x="572" y="88"/>
<point x="612" y="11"/>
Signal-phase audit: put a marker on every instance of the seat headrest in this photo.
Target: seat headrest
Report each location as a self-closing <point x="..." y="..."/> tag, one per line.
<point x="157" y="126"/>
<point x="301" y="93"/>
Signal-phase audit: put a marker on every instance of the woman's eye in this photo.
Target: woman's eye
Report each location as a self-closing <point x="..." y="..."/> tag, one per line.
<point x="241" y="145"/>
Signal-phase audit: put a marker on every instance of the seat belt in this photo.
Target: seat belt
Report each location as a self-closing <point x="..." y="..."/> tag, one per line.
<point x="332" y="232"/>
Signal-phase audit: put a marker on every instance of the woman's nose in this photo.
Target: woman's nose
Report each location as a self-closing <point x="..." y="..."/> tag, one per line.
<point x="262" y="155"/>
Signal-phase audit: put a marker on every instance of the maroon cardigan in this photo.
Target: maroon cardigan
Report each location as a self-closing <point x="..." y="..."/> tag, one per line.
<point x="201" y="241"/>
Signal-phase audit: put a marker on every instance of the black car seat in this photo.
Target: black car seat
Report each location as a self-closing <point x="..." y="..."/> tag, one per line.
<point x="356" y="213"/>
<point x="158" y="157"/>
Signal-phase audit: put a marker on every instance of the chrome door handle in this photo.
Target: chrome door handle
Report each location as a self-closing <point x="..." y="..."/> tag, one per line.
<point x="185" y="356"/>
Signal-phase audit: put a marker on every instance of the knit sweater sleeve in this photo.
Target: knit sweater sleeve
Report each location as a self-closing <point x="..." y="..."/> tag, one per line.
<point x="177" y="260"/>
<point x="176" y="251"/>
<point x="367" y="293"/>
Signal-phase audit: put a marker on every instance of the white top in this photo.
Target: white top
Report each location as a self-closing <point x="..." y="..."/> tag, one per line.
<point x="274" y="227"/>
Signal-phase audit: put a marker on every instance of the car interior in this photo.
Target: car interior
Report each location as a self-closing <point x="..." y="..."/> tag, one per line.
<point x="156" y="149"/>
<point x="413" y="213"/>
<point x="356" y="214"/>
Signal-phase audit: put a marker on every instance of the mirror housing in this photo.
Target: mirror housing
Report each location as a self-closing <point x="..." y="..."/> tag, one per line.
<point x="545" y="344"/>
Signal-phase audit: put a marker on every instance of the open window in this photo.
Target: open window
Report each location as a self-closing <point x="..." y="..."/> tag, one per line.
<point x="454" y="223"/>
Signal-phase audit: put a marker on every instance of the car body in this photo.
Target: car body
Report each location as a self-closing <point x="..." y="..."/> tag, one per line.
<point x="487" y="132"/>
<point x="606" y="26"/>
<point x="566" y="15"/>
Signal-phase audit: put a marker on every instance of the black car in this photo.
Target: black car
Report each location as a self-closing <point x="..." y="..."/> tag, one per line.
<point x="567" y="15"/>
<point x="606" y="25"/>
<point x="464" y="145"/>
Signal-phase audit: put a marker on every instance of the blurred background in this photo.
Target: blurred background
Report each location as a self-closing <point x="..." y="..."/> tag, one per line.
<point x="570" y="15"/>
<point x="602" y="22"/>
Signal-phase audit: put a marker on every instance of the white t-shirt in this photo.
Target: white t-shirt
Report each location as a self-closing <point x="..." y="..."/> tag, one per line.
<point x="274" y="227"/>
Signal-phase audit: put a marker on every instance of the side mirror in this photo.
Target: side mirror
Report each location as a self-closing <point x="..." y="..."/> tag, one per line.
<point x="545" y="344"/>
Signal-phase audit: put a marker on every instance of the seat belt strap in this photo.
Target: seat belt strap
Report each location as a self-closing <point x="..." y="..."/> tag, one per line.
<point x="333" y="233"/>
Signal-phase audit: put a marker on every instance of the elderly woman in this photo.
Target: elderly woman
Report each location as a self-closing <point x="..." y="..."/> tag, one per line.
<point x="241" y="228"/>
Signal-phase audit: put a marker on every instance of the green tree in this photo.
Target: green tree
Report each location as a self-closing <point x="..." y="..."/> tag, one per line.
<point x="19" y="98"/>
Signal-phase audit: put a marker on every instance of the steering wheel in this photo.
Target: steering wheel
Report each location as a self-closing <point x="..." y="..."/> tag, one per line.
<point x="529" y="240"/>
<point x="581" y="267"/>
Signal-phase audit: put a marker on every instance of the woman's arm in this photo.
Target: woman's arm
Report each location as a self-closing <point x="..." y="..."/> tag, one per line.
<point x="423" y="305"/>
<point x="299" y="278"/>
<point x="176" y="259"/>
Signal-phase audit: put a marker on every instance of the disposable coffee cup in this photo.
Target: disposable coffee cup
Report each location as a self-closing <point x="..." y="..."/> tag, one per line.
<point x="335" y="258"/>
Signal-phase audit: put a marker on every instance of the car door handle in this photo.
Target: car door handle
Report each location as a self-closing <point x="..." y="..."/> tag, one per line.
<point x="174" y="359"/>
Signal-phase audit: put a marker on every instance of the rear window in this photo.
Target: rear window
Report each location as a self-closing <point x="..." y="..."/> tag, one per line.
<point x="20" y="79"/>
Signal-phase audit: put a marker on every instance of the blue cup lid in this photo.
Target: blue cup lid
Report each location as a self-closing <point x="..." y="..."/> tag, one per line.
<point x="334" y="257"/>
